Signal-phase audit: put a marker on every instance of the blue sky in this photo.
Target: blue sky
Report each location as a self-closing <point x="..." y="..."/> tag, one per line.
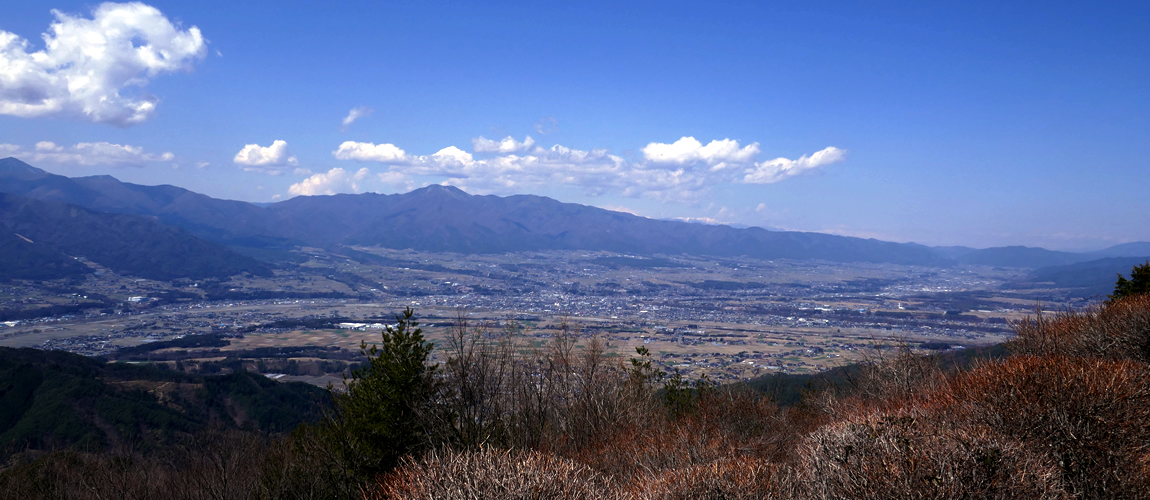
<point x="968" y="123"/>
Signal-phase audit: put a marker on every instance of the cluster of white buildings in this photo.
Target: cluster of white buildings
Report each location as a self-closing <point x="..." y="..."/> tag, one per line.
<point x="363" y="326"/>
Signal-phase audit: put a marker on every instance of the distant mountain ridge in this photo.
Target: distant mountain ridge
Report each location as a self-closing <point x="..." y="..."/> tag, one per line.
<point x="40" y="238"/>
<point x="440" y="218"/>
<point x="446" y="219"/>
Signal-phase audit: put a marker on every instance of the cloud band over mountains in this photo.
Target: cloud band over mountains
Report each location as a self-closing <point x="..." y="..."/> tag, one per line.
<point x="678" y="171"/>
<point x="87" y="154"/>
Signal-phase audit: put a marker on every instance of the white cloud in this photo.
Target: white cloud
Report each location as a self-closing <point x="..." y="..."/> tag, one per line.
<point x="336" y="180"/>
<point x="772" y="171"/>
<point x="681" y="171"/>
<point x="87" y="154"/>
<point x="272" y="160"/>
<point x="394" y="178"/>
<point x="397" y="180"/>
<point x="688" y="151"/>
<point x="452" y="154"/>
<point x="95" y="69"/>
<point x="507" y="145"/>
<point x="355" y="114"/>
<point x="203" y="164"/>
<point x="366" y="151"/>
<point x="702" y="220"/>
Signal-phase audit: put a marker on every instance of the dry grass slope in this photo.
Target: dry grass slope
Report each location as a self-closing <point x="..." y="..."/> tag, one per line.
<point x="492" y="473"/>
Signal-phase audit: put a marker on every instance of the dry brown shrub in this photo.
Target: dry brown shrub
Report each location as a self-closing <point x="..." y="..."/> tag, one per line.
<point x="727" y="424"/>
<point x="1091" y="415"/>
<point x="1119" y="329"/>
<point x="907" y="454"/>
<point x="638" y="452"/>
<point x="211" y="465"/>
<point x="900" y="374"/>
<point x="489" y="473"/>
<point x="882" y="380"/>
<point x="724" y="479"/>
<point x="83" y="476"/>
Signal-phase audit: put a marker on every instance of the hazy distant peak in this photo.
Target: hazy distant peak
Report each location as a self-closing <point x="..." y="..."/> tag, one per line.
<point x="12" y="165"/>
<point x="102" y="178"/>
<point x="440" y="189"/>
<point x="1132" y="249"/>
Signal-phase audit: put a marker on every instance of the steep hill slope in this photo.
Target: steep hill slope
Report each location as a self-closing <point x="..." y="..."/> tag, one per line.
<point x="225" y="221"/>
<point x="51" y="399"/>
<point x="39" y="237"/>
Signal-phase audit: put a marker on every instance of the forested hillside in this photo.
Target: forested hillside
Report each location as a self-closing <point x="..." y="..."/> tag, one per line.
<point x="52" y="400"/>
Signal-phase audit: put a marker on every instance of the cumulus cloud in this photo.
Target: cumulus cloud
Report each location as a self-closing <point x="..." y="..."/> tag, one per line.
<point x="366" y="151"/>
<point x="680" y="171"/>
<point x="87" y="154"/>
<point x="95" y="69"/>
<point x="272" y="160"/>
<point x="336" y="180"/>
<point x="688" y="150"/>
<point x="355" y="114"/>
<point x="772" y="171"/>
<point x="507" y="145"/>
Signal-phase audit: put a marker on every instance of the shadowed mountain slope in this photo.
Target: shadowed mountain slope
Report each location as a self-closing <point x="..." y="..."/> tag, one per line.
<point x="39" y="237"/>
<point x="224" y="221"/>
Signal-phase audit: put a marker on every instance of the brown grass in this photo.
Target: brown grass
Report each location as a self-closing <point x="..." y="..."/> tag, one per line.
<point x="1091" y="415"/>
<point x="489" y="473"/>
<point x="1118" y="329"/>
<point x="733" y="479"/>
<point x="907" y="454"/>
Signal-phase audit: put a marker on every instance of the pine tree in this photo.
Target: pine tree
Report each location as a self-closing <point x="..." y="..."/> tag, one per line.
<point x="1138" y="283"/>
<point x="376" y="421"/>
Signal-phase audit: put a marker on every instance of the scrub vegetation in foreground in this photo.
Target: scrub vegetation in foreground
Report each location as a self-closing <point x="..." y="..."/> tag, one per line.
<point x="1066" y="414"/>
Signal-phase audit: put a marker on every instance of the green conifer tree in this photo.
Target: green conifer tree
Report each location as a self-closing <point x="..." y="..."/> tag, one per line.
<point x="1138" y="283"/>
<point x="377" y="420"/>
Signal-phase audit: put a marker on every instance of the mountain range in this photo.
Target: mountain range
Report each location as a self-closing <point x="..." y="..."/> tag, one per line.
<point x="445" y="219"/>
<point x="41" y="239"/>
